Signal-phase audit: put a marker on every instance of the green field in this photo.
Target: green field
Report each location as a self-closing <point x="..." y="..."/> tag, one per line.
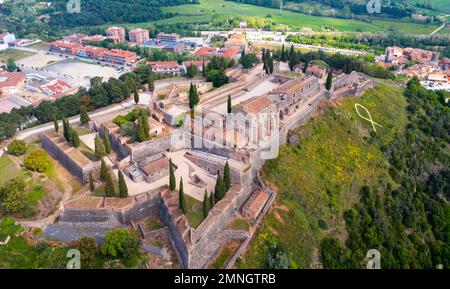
<point x="14" y="54"/>
<point x="440" y="5"/>
<point x="8" y="169"/>
<point x="321" y="178"/>
<point x="406" y="27"/>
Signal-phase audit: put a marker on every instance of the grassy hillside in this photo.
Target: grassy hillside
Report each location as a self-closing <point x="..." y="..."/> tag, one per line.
<point x="321" y="178"/>
<point x="440" y="5"/>
<point x="207" y="8"/>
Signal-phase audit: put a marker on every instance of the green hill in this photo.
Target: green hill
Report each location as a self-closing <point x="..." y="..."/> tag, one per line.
<point x="321" y="178"/>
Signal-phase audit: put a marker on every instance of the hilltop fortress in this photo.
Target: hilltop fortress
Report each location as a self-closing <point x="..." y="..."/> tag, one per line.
<point x="199" y="150"/>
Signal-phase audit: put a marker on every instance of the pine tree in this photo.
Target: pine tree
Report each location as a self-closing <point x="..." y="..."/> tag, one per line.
<point x="205" y="205"/>
<point x="123" y="190"/>
<point x="229" y="106"/>
<point x="181" y="197"/>
<point x="91" y="183"/>
<point x="109" y="186"/>
<point x="172" y="181"/>
<point x="136" y="96"/>
<point x="103" y="171"/>
<point x="329" y="80"/>
<point x="106" y="142"/>
<point x="99" y="147"/>
<point x="55" y="123"/>
<point x="227" y="177"/>
<point x="75" y="139"/>
<point x="84" y="117"/>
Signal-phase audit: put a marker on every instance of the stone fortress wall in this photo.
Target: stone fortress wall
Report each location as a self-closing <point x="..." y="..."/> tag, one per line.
<point x="79" y="165"/>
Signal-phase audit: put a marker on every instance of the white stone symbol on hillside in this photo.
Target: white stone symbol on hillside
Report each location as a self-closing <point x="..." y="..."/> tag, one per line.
<point x="369" y="119"/>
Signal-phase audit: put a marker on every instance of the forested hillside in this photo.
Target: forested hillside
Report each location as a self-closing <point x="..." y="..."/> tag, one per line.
<point x="36" y="17"/>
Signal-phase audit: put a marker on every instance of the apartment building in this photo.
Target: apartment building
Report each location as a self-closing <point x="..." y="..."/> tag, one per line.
<point x="121" y="57"/>
<point x="65" y="47"/>
<point x="116" y="33"/>
<point x="165" y="67"/>
<point x="139" y="35"/>
<point x="168" y="37"/>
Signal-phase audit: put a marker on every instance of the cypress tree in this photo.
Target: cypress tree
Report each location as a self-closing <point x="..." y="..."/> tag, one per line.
<point x="172" y="181"/>
<point x="71" y="136"/>
<point x="91" y="183"/>
<point x="205" y="205"/>
<point x="109" y="186"/>
<point x="203" y="69"/>
<point x="106" y="142"/>
<point x="99" y="147"/>
<point x="103" y="171"/>
<point x="219" y="188"/>
<point x="55" y="123"/>
<point x="65" y="129"/>
<point x="136" y="96"/>
<point x="229" y="106"/>
<point x="193" y="96"/>
<point x="181" y="197"/>
<point x="212" y="200"/>
<point x="306" y="65"/>
<point x="151" y="83"/>
<point x="227" y="177"/>
<point x="292" y="53"/>
<point x="140" y="131"/>
<point x="75" y="139"/>
<point x="329" y="81"/>
<point x="84" y="117"/>
<point x="145" y="126"/>
<point x="283" y="54"/>
<point x="123" y="189"/>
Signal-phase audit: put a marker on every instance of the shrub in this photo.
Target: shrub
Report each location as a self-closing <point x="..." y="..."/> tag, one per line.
<point x="121" y="243"/>
<point x="17" y="147"/>
<point x="37" y="160"/>
<point x="88" y="250"/>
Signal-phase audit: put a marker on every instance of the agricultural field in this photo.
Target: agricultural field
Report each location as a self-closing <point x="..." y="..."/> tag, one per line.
<point x="405" y="27"/>
<point x="320" y="179"/>
<point x="440" y="5"/>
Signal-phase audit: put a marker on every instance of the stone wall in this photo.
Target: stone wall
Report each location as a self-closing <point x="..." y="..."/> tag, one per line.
<point x="81" y="172"/>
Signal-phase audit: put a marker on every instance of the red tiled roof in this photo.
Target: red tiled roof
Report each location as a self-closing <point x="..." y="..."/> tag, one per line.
<point x="258" y="203"/>
<point x="121" y="53"/>
<point x="257" y="104"/>
<point x="163" y="64"/>
<point x="11" y="79"/>
<point x="156" y="166"/>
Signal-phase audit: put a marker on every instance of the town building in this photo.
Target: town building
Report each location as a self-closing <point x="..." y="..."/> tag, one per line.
<point x="168" y="37"/>
<point x="7" y="38"/>
<point x="397" y="55"/>
<point x="11" y="82"/>
<point x="317" y="70"/>
<point x="92" y="52"/>
<point x="255" y="205"/>
<point x="209" y="52"/>
<point x="51" y="87"/>
<point x="165" y="67"/>
<point x="116" y="33"/>
<point x="165" y="45"/>
<point x="8" y="103"/>
<point x="139" y="35"/>
<point x="65" y="47"/>
<point x="199" y="64"/>
<point x="93" y="38"/>
<point x="236" y="41"/>
<point x="120" y="57"/>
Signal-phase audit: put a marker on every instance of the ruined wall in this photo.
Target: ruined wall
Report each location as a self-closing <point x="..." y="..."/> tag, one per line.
<point x="147" y="205"/>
